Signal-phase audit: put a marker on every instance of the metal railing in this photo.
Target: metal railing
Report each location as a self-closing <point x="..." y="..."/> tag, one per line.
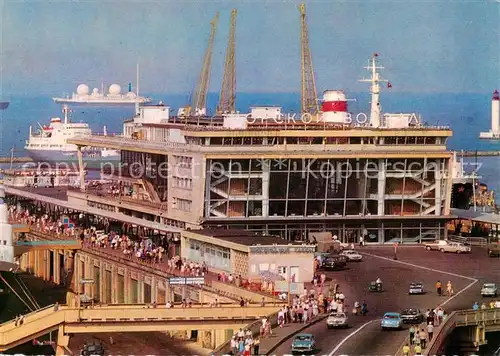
<point x="99" y="194"/>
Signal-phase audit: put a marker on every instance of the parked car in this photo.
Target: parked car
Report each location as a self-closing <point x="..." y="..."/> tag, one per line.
<point x="42" y="185"/>
<point x="494" y="250"/>
<point x="412" y="316"/>
<point x="352" y="255"/>
<point x="391" y="321"/>
<point x="447" y="246"/>
<point x="303" y="343"/>
<point x="334" y="262"/>
<point x="489" y="290"/>
<point x="416" y="288"/>
<point x="336" y="320"/>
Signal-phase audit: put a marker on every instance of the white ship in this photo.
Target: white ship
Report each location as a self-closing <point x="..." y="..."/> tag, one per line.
<point x="114" y="97"/>
<point x="49" y="145"/>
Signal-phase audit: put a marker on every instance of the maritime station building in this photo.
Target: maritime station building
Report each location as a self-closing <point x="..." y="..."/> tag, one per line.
<point x="261" y="173"/>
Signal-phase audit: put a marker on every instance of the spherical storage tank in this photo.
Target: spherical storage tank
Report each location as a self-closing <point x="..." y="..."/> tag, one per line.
<point x="334" y="106"/>
<point x="114" y="89"/>
<point x="82" y="89"/>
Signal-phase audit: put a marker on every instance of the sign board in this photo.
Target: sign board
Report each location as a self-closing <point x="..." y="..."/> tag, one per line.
<point x="186" y="280"/>
<point x="278" y="250"/>
<point x="87" y="281"/>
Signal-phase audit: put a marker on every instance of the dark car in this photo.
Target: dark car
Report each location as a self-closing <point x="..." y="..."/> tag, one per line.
<point x="412" y="316"/>
<point x="334" y="262"/>
<point x="93" y="348"/>
<point x="494" y="250"/>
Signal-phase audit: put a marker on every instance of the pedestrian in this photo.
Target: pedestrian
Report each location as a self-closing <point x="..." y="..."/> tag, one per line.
<point x="430" y="331"/>
<point x="423" y="338"/>
<point x="406" y="350"/>
<point x="439" y="288"/>
<point x="418" y="350"/>
<point x="412" y="334"/>
<point x="449" y="289"/>
<point x="256" y="345"/>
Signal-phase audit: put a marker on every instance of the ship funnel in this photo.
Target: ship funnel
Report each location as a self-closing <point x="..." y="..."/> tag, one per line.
<point x="129" y="87"/>
<point x="495" y="112"/>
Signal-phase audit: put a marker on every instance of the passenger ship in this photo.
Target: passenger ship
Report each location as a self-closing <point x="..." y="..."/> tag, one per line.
<point x="49" y="145"/>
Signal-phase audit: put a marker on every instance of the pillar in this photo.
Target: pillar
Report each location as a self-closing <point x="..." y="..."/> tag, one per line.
<point x="46" y="263"/>
<point x="114" y="284"/>
<point x="127" y="289"/>
<point x="266" y="168"/>
<point x="81" y="168"/>
<point x="57" y="267"/>
<point x="62" y="342"/>
<point x="381" y="187"/>
<point x="438" y="199"/>
<point x="102" y="283"/>
<point x="219" y="337"/>
<point x="154" y="289"/>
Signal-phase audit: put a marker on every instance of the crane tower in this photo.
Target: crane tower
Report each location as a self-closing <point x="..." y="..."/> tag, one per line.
<point x="199" y="102"/>
<point x="227" y="96"/>
<point x="309" y="94"/>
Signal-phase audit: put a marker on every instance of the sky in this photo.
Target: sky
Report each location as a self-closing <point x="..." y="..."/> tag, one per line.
<point x="49" y="47"/>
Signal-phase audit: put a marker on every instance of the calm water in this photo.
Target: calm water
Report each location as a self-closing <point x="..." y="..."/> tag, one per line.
<point x="467" y="114"/>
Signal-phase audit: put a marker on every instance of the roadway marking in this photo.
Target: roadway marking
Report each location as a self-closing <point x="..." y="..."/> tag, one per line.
<point x="418" y="266"/>
<point x="350" y="335"/>
<point x="473" y="281"/>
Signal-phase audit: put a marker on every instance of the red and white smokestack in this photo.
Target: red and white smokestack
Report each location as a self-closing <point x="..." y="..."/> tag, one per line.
<point x="334" y="106"/>
<point x="495" y="112"/>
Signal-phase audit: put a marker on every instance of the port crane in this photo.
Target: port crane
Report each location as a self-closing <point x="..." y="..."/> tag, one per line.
<point x="227" y="95"/>
<point x="199" y="99"/>
<point x="309" y="94"/>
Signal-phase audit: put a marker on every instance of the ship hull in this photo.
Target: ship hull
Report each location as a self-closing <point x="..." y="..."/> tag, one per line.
<point x="4" y="105"/>
<point x="70" y="159"/>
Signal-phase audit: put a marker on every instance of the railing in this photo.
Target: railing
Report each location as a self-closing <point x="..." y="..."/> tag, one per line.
<point x="129" y="142"/>
<point x="461" y="318"/>
<point x="472" y="241"/>
<point x="94" y="193"/>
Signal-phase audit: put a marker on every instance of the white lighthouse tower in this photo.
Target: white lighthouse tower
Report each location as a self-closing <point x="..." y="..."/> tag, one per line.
<point x="494" y="133"/>
<point x="6" y="244"/>
<point x="375" y="80"/>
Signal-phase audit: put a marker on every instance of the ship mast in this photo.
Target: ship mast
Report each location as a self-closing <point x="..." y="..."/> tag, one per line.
<point x="308" y="92"/>
<point x="375" y="81"/>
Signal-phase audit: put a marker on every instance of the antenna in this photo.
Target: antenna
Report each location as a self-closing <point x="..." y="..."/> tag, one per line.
<point x="137" y="80"/>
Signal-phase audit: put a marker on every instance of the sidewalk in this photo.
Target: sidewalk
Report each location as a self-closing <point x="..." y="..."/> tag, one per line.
<point x="280" y="335"/>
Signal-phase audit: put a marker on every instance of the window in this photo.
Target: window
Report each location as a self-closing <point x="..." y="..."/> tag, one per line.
<point x="183" y="161"/>
<point x="183" y="183"/>
<point x="182" y="204"/>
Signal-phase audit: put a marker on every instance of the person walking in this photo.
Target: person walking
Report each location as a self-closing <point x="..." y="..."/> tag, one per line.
<point x="406" y="350"/>
<point x="439" y="287"/>
<point x="430" y="331"/>
<point x="256" y="345"/>
<point x="412" y="334"/>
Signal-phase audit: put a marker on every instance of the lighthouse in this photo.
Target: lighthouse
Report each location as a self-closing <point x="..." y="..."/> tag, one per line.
<point x="494" y="133"/>
<point x="495" y="113"/>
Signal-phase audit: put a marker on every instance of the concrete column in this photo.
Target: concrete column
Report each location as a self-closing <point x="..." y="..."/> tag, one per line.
<point x="219" y="338"/>
<point x="381" y="187"/>
<point x="114" y="284"/>
<point x="437" y="201"/>
<point x="81" y="168"/>
<point x="46" y="263"/>
<point x="126" y="290"/>
<point x="62" y="342"/>
<point x="57" y="267"/>
<point x="266" y="174"/>
<point x="88" y="274"/>
<point x="102" y="283"/>
<point x="154" y="289"/>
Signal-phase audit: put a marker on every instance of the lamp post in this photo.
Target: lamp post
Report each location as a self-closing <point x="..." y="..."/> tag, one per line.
<point x="396" y="250"/>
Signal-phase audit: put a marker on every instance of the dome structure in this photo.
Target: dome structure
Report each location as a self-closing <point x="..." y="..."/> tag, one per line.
<point x="82" y="89"/>
<point x="114" y="89"/>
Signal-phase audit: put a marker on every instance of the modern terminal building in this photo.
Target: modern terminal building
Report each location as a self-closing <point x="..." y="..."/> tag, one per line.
<point x="386" y="177"/>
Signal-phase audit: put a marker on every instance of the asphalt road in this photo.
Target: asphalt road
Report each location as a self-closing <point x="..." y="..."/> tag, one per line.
<point x="396" y="275"/>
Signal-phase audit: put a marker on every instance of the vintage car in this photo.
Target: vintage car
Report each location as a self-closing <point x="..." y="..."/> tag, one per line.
<point x="412" y="316"/>
<point x="352" y="255"/>
<point x="334" y="262"/>
<point x="303" y="343"/>
<point x="416" y="288"/>
<point x="336" y="320"/>
<point x="489" y="290"/>
<point x="391" y="321"/>
<point x="447" y="246"/>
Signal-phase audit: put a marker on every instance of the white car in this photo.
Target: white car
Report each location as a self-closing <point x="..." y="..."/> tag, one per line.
<point x="336" y="320"/>
<point x="447" y="246"/>
<point x="352" y="255"/>
<point x="489" y="290"/>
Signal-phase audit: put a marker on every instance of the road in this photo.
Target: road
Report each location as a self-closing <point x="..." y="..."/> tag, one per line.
<point x="413" y="264"/>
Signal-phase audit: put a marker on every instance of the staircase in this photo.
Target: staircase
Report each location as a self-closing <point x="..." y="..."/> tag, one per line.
<point x="150" y="189"/>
